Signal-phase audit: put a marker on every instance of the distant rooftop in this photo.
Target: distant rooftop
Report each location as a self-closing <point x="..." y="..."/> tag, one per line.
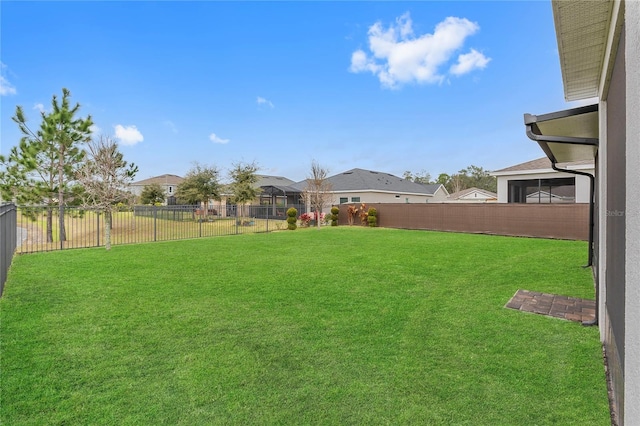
<point x="165" y="179"/>
<point x="542" y="164"/>
<point x="367" y="180"/>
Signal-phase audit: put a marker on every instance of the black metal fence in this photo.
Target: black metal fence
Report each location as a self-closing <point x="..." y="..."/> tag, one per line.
<point x="38" y="227"/>
<point x="8" y="239"/>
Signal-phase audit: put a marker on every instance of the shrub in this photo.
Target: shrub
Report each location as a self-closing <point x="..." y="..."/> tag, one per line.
<point x="292" y="214"/>
<point x="305" y="219"/>
<point x="372" y="217"/>
<point x="352" y="211"/>
<point x="334" y="215"/>
<point x="364" y="214"/>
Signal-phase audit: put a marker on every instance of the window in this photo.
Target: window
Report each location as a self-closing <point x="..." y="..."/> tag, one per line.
<point x="170" y="189"/>
<point x="542" y="191"/>
<point x="355" y="199"/>
<point x="343" y="200"/>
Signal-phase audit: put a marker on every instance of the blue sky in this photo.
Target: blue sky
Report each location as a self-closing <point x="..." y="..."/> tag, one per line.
<point x="387" y="86"/>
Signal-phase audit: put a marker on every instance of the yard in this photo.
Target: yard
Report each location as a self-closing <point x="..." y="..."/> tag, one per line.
<point x="332" y="326"/>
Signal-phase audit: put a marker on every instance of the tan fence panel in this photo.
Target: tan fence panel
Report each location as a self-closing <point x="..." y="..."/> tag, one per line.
<point x="561" y="221"/>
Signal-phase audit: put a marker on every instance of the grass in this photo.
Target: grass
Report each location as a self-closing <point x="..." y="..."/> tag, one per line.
<point x="333" y="326"/>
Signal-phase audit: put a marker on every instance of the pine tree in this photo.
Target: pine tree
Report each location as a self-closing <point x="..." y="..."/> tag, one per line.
<point x="40" y="170"/>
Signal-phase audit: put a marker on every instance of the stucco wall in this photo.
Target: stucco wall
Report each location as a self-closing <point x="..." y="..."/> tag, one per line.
<point x="382" y="197"/>
<point x="632" y="217"/>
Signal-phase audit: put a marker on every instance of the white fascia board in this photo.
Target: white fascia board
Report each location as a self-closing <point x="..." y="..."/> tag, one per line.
<point x="613" y="37"/>
<point x="543" y="171"/>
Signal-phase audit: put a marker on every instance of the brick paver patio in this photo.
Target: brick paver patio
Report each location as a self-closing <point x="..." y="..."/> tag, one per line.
<point x="569" y="308"/>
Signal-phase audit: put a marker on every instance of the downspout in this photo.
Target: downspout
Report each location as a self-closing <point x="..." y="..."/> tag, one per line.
<point x="591" y="205"/>
<point x="533" y="133"/>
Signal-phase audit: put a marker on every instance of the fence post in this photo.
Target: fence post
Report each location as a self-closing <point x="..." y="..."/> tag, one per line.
<point x="155" y="219"/>
<point x="267" y="209"/>
<point x="97" y="228"/>
<point x="200" y="227"/>
<point x="237" y="219"/>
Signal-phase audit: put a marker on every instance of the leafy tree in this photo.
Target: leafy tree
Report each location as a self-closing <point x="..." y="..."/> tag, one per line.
<point x="422" y="177"/>
<point x="480" y="178"/>
<point x="41" y="168"/>
<point x="472" y="176"/>
<point x="243" y="183"/>
<point x="152" y="194"/>
<point x="443" y="179"/>
<point x="105" y="176"/>
<point x="201" y="184"/>
<point x="318" y="190"/>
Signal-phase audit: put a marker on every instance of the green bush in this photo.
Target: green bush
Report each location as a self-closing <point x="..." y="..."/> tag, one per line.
<point x="292" y="218"/>
<point x="372" y="217"/>
<point x="334" y="215"/>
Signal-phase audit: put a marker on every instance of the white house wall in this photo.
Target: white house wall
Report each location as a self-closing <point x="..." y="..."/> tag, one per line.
<point x="381" y="197"/>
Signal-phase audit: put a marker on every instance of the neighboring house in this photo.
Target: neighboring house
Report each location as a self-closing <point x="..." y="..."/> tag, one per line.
<point x="537" y="182"/>
<point x="167" y="182"/>
<point x="368" y="186"/>
<point x="277" y="191"/>
<point x="472" y="195"/>
<point x="599" y="45"/>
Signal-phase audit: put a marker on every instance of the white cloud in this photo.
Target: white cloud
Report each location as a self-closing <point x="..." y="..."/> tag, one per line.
<point x="398" y="57"/>
<point x="469" y="62"/>
<point x="215" y="139"/>
<point x="6" y="88"/>
<point x="262" y="101"/>
<point x="39" y="107"/>
<point x="95" y="129"/>
<point x="128" y="135"/>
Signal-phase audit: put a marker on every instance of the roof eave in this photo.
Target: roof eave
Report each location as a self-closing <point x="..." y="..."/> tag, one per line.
<point x="566" y="136"/>
<point x="582" y="33"/>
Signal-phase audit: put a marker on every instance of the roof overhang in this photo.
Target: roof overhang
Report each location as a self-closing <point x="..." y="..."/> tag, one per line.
<point x="566" y="136"/>
<point x="582" y="30"/>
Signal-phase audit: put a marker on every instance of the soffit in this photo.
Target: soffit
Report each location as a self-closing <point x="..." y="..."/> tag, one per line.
<point x="566" y="136"/>
<point x="582" y="27"/>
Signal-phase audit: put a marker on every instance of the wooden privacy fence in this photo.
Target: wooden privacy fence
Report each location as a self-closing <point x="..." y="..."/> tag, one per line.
<point x="561" y="221"/>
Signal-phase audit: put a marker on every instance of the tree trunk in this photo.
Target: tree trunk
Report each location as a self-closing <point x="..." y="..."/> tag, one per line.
<point x="49" y="225"/>
<point x="61" y="230"/>
<point x="107" y="229"/>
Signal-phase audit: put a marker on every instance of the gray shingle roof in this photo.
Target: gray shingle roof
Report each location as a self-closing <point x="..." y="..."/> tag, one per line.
<point x="266" y="180"/>
<point x="165" y="179"/>
<point x="369" y="180"/>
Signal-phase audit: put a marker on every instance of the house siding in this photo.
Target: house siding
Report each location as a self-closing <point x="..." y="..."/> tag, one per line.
<point x="369" y="197"/>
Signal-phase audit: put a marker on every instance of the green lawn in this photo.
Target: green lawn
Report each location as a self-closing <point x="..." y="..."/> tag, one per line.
<point x="333" y="326"/>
